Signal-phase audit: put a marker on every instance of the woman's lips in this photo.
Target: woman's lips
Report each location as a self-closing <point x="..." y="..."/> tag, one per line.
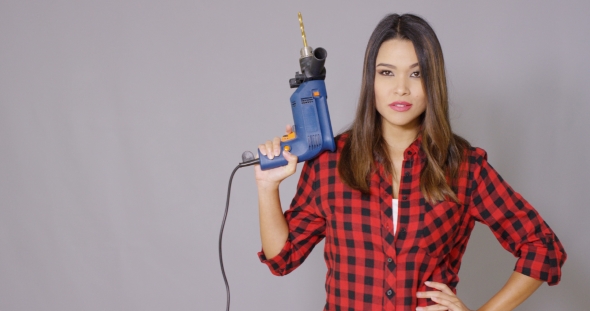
<point x="400" y="106"/>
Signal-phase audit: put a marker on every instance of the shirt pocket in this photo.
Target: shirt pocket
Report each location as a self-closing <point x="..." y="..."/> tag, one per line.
<point x="438" y="227"/>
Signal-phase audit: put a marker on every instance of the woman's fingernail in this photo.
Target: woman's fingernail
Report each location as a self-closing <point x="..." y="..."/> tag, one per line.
<point x="419" y="309"/>
<point x="427" y="282"/>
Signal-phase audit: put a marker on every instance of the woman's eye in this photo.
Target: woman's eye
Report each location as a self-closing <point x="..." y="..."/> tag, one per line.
<point x="386" y="72"/>
<point x="415" y="74"/>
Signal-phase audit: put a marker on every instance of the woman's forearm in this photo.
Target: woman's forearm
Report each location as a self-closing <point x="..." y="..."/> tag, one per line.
<point x="273" y="226"/>
<point x="516" y="290"/>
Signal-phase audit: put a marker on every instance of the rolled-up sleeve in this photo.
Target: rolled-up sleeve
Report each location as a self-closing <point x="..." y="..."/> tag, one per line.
<point x="306" y="226"/>
<point x="515" y="223"/>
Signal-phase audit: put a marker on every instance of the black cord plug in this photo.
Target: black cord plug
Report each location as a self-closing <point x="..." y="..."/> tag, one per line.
<point x="248" y="159"/>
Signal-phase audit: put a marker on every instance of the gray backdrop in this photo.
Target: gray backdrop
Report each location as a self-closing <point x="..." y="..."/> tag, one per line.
<point x="121" y="120"/>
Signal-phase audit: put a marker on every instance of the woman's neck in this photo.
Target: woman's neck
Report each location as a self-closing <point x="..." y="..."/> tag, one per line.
<point x="399" y="138"/>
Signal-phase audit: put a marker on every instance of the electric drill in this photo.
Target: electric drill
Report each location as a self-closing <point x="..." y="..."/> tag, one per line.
<point x="312" y="132"/>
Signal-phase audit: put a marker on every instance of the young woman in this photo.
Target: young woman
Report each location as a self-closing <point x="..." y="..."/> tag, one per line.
<point x="399" y="198"/>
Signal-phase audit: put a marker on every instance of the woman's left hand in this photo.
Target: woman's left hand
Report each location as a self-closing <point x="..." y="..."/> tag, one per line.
<point x="445" y="299"/>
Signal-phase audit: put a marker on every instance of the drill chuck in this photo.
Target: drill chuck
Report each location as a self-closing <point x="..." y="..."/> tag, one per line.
<point x="306" y="51"/>
<point x="312" y="68"/>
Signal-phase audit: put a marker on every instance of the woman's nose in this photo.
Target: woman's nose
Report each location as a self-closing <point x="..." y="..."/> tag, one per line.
<point x="401" y="87"/>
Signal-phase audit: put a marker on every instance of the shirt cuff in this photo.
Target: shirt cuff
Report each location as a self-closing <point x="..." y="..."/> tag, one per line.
<point x="541" y="262"/>
<point x="278" y="264"/>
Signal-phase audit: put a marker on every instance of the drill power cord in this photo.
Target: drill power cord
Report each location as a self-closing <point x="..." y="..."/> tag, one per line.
<point x="247" y="160"/>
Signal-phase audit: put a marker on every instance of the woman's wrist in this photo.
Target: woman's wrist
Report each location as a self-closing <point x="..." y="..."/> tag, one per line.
<point x="267" y="186"/>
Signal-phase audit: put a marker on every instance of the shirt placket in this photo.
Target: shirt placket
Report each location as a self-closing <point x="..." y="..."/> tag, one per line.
<point x="385" y="199"/>
<point x="408" y="175"/>
<point x="405" y="189"/>
<point x="392" y="295"/>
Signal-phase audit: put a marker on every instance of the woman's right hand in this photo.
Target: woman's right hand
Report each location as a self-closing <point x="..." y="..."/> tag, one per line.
<point x="273" y="177"/>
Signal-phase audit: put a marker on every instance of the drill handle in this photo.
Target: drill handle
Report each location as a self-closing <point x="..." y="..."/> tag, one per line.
<point x="277" y="161"/>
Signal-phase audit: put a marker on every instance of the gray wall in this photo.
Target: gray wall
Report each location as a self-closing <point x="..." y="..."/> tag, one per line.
<point x="120" y="122"/>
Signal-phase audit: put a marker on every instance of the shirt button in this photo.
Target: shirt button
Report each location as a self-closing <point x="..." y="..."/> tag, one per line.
<point x="405" y="197"/>
<point x="407" y="173"/>
<point x="389" y="293"/>
<point x="389" y="259"/>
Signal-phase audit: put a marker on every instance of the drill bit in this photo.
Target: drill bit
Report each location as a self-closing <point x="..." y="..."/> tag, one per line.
<point x="302" y="30"/>
<point x="306" y="51"/>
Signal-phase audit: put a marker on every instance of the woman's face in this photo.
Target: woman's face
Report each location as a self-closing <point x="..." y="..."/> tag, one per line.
<point x="399" y="95"/>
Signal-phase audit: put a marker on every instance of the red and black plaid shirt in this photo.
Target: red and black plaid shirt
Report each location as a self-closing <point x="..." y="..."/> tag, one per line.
<point x="371" y="269"/>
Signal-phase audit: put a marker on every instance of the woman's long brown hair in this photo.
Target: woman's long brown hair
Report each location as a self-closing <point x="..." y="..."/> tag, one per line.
<point x="366" y="146"/>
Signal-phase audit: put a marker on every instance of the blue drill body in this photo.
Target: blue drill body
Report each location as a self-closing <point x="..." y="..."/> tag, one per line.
<point x="313" y="129"/>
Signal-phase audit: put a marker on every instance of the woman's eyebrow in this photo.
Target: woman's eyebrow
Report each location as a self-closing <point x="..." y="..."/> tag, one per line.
<point x="386" y="65"/>
<point x="393" y="67"/>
